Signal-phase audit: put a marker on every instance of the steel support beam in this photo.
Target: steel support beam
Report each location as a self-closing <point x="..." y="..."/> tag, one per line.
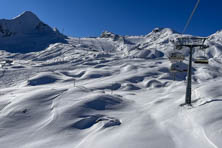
<point x="189" y="80"/>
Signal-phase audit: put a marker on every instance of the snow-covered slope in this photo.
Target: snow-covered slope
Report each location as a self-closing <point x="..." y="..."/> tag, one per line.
<point x="110" y="91"/>
<point x="26" y="33"/>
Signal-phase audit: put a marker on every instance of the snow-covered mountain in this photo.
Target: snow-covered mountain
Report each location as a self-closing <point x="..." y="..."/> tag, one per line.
<point x="26" y="33"/>
<point x="110" y="91"/>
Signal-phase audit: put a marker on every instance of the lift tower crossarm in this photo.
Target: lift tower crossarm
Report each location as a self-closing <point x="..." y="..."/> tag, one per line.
<point x="191" y="41"/>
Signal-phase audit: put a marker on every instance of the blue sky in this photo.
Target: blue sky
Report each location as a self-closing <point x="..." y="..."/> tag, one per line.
<point x="126" y="17"/>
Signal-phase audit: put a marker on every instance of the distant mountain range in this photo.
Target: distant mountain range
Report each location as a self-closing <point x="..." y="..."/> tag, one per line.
<point x="27" y="33"/>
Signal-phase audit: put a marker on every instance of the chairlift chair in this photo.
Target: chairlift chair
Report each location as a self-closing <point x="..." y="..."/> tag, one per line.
<point x="201" y="60"/>
<point x="176" y="57"/>
<point x="204" y="47"/>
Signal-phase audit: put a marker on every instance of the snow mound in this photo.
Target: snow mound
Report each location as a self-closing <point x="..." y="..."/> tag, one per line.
<point x="103" y="102"/>
<point x="74" y="74"/>
<point x="96" y="74"/>
<point x="43" y="79"/>
<point x="130" y="87"/>
<point x="154" y="84"/>
<point x="109" y="86"/>
<point x="135" y="79"/>
<point x="86" y="121"/>
<point x="100" y="66"/>
<point x="102" y="55"/>
<point x="127" y="68"/>
<point x="90" y="120"/>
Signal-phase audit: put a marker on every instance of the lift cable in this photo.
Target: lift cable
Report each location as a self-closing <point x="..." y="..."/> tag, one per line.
<point x="191" y="16"/>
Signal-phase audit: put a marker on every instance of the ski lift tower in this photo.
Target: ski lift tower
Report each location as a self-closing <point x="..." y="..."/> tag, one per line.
<point x="191" y="43"/>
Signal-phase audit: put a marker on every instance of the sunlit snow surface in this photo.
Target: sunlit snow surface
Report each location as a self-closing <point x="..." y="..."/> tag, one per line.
<point x="109" y="93"/>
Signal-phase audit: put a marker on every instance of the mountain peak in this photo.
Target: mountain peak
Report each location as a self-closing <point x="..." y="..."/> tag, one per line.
<point x="107" y="34"/>
<point x="27" y="15"/>
<point x="27" y="22"/>
<point x="169" y="30"/>
<point x="25" y="32"/>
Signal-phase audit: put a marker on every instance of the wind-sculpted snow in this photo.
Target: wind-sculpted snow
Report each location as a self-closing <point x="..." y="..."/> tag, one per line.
<point x="89" y="121"/>
<point x="42" y="79"/>
<point x="109" y="92"/>
<point x="96" y="74"/>
<point x="154" y="84"/>
<point x="132" y="101"/>
<point x="130" y="87"/>
<point x="102" y="102"/>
